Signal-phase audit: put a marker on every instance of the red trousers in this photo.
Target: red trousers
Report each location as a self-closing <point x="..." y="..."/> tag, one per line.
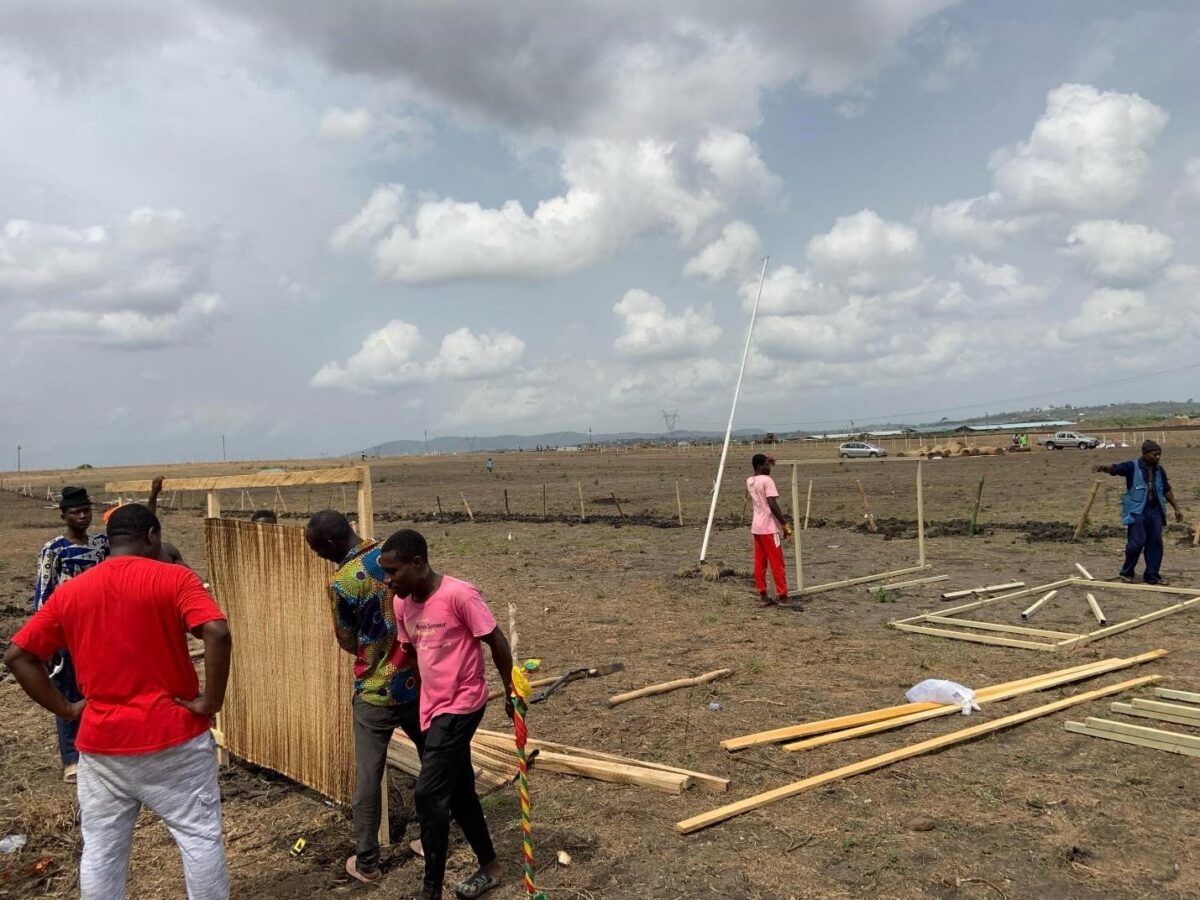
<point x="768" y="549"/>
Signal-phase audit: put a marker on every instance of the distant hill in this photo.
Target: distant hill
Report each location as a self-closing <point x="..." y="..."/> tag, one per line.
<point x="501" y="442"/>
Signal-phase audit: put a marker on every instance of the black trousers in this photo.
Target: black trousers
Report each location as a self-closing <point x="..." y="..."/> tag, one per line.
<point x="445" y="790"/>
<point x="373" y="727"/>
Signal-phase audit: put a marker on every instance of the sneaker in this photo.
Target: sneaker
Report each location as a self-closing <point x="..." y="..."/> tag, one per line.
<point x="70" y="772"/>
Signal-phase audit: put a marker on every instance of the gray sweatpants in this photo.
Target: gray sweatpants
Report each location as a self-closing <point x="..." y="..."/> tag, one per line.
<point x="180" y="785"/>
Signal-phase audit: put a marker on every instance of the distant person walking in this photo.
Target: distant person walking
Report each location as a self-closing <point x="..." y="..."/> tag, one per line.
<point x="385" y="678"/>
<point x="766" y="526"/>
<point x="1144" y="511"/>
<point x="144" y="726"/>
<point x="490" y="465"/>
<point x="445" y="622"/>
<point x="67" y="556"/>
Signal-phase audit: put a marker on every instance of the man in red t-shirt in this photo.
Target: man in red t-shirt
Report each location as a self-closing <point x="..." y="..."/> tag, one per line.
<point x="144" y="724"/>
<point x="445" y="622"/>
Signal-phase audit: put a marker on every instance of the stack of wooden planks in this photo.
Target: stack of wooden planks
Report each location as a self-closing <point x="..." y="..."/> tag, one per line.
<point x="1185" y="712"/>
<point x="844" y="727"/>
<point x="494" y="756"/>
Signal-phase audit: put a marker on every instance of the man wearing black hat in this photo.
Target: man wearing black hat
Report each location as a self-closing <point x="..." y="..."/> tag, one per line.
<point x="63" y="558"/>
<point x="1144" y="510"/>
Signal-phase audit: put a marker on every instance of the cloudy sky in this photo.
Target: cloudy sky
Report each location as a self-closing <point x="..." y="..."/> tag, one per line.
<point x="316" y="226"/>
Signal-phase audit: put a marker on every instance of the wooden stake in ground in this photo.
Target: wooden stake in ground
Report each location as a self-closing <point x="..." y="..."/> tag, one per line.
<point x="617" y="504"/>
<point x="679" y="502"/>
<point x="871" y="526"/>
<point x="975" y="508"/>
<point x="582" y="510"/>
<point x="543" y="501"/>
<point x="439" y="503"/>
<point x="695" y="823"/>
<point x="668" y="686"/>
<point x="1037" y="604"/>
<point x="470" y="515"/>
<point x="808" y="504"/>
<point x="1087" y="508"/>
<point x="920" y="515"/>
<point x="506" y="512"/>
<point x="795" y="508"/>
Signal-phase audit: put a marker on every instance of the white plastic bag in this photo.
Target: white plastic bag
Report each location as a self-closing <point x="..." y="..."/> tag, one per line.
<point x="935" y="690"/>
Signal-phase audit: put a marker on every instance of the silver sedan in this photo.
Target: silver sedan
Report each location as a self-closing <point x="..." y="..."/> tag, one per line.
<point x="860" y="448"/>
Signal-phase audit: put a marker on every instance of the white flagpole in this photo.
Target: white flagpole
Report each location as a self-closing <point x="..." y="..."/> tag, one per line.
<point x="712" y="509"/>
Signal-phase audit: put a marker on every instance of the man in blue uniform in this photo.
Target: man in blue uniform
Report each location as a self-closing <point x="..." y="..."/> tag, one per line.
<point x="1144" y="510"/>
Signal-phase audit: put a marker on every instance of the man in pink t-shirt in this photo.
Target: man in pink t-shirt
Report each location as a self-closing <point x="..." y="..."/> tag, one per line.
<point x="444" y="622"/>
<point x="765" y="527"/>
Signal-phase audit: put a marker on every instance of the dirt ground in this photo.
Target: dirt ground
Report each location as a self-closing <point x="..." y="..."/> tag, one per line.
<point x="1030" y="812"/>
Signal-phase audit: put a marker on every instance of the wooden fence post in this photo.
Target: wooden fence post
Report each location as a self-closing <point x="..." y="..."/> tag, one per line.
<point x="808" y="504"/>
<point x="214" y="505"/>
<point x="920" y="515"/>
<point x="617" y="504"/>
<point x="1087" y="508"/>
<point x="470" y="515"/>
<point x="582" y="508"/>
<point x="679" y="502"/>
<point x="506" y="510"/>
<point x="975" y="508"/>
<point x="871" y="526"/>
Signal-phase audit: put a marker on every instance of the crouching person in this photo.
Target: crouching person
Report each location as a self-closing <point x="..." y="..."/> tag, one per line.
<point x="144" y="725"/>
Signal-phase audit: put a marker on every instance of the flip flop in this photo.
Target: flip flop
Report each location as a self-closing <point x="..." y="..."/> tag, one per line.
<point x="477" y="885"/>
<point x="352" y="870"/>
<point x="415" y="846"/>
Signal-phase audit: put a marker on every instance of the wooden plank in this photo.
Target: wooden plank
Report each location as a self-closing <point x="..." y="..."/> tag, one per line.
<point x="920" y="515"/>
<point x="667" y="686"/>
<point x="796" y="529"/>
<point x="1137" y="741"/>
<point x="1087" y="508"/>
<point x="713" y="782"/>
<point x="1038" y="604"/>
<point x="214" y="505"/>
<point x="974" y="638"/>
<point x="913" y="583"/>
<point x="1132" y="623"/>
<point x="1096" y="611"/>
<point x="347" y="475"/>
<point x="616" y="773"/>
<point x="995" y="626"/>
<point x="808" y="506"/>
<point x="1185" y="696"/>
<point x="1154" y="734"/>
<point x="704" y="820"/>
<point x="1086" y="574"/>
<point x="991" y="588"/>
<point x="988" y="601"/>
<point x="1128" y="709"/>
<point x="838" y="723"/>
<point x="981" y="698"/>
<point x="834" y="585"/>
<point x="366" y="504"/>
<point x="1151" y="588"/>
<point x="1174" y="709"/>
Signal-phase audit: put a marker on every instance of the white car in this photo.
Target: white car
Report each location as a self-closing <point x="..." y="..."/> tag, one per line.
<point x="860" y="448"/>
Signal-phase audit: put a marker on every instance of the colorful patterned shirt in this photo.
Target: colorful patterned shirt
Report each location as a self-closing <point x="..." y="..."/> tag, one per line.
<point x="61" y="560"/>
<point x="364" y="622"/>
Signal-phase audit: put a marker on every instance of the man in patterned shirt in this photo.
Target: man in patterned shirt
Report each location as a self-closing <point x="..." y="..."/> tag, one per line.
<point x="385" y="679"/>
<point x="72" y="553"/>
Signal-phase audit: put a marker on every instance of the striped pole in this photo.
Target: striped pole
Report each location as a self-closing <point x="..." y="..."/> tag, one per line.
<point x="520" y="700"/>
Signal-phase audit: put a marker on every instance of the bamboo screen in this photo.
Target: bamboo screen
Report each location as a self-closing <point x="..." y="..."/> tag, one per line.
<point x="287" y="706"/>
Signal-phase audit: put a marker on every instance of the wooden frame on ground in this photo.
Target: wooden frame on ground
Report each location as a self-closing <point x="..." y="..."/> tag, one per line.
<point x="797" y="541"/>
<point x="1027" y="639"/>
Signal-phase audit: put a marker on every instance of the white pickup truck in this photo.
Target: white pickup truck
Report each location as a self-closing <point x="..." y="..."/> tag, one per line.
<point x="1074" y="439"/>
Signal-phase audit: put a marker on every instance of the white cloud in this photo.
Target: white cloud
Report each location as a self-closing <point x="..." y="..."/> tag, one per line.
<point x="345" y="124"/>
<point x="975" y="221"/>
<point x="1111" y="318"/>
<point x="1088" y="152"/>
<point x="735" y="163"/>
<point x="1006" y="282"/>
<point x="490" y="404"/>
<point x="130" y="329"/>
<point x="1119" y="253"/>
<point x="866" y="251"/>
<point x="958" y="57"/>
<point x="651" y="332"/>
<point x="391" y="357"/>
<point x="141" y="282"/>
<point x="615" y="192"/>
<point x="731" y="255"/>
<point x="788" y="290"/>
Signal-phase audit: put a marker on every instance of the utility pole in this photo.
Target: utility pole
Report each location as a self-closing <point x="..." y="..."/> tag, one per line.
<point x="222" y="448"/>
<point x="18" y="457"/>
<point x="426" y="441"/>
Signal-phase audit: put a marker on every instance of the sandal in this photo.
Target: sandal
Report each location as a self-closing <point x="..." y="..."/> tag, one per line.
<point x="365" y="877"/>
<point x="477" y="885"/>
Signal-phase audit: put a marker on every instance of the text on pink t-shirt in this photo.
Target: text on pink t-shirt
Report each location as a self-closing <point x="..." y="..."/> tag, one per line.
<point x="445" y="630"/>
<point x="762" y="488"/>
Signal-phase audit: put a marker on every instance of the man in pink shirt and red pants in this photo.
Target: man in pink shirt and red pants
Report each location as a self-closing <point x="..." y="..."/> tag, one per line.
<point x="765" y="527"/>
<point x="444" y="622"/>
